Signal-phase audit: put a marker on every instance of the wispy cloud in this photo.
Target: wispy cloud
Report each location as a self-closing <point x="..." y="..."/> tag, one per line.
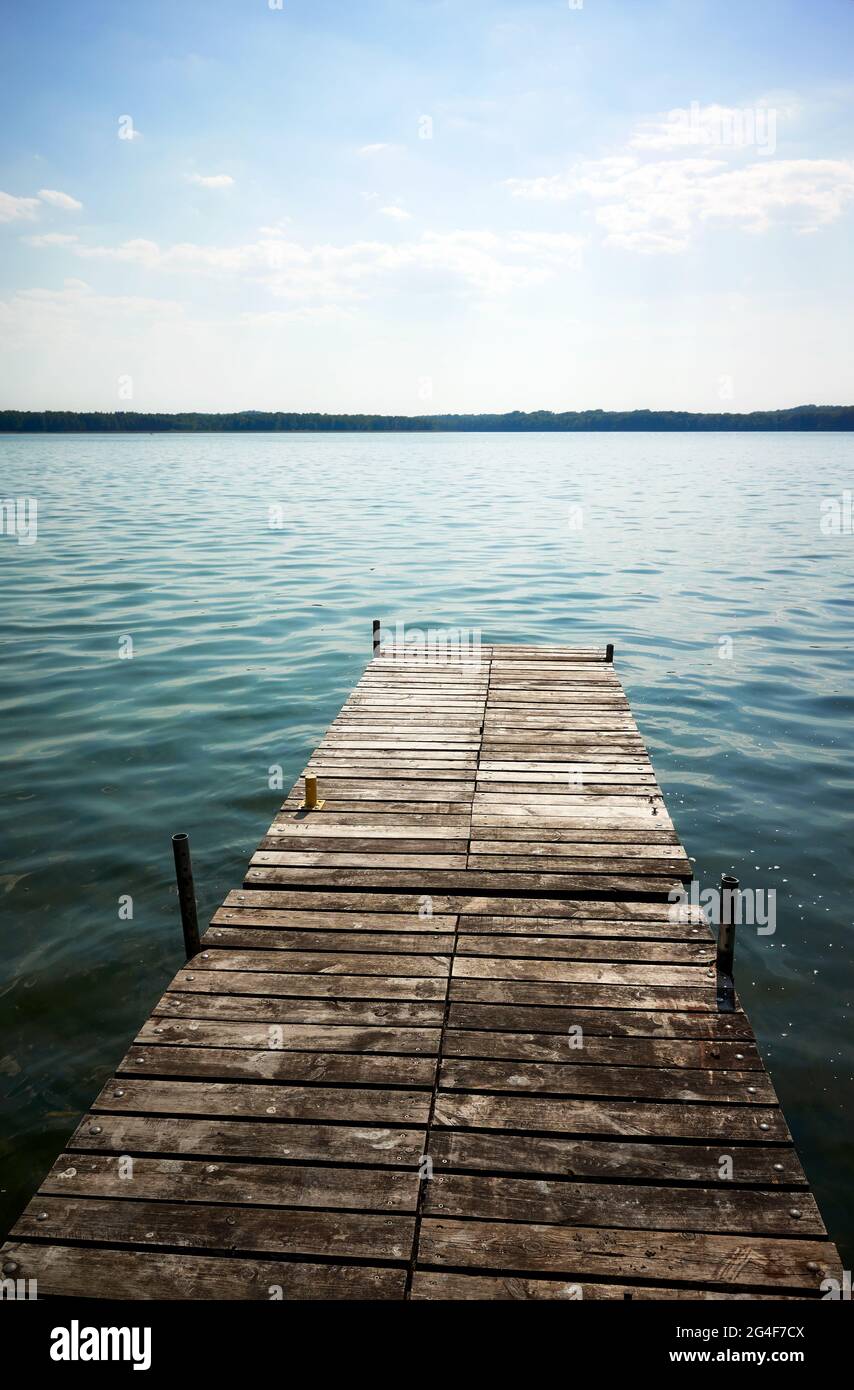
<point x="51" y="239"/>
<point x="482" y="262"/>
<point x="397" y="214"/>
<point x="212" y="180"/>
<point x="13" y="209"/>
<point x="59" y="200"/>
<point x="655" y="204"/>
<point x="379" y="148"/>
<point x="35" y="311"/>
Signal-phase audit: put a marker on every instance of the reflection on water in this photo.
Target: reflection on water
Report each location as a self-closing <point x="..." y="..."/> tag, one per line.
<point x="247" y="636"/>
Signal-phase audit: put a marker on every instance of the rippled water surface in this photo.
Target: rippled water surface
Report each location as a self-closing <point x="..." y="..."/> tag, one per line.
<point x="247" y="638"/>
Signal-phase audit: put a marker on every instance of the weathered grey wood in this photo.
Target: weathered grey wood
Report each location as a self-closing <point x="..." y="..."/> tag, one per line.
<point x="579" y="1079"/>
<point x="247" y="1184"/>
<point x="324" y="962"/>
<point x="331" y="1068"/>
<point x="581" y="1050"/>
<point x="325" y="1104"/>
<point x="759" y="1262"/>
<point x="266" y="938"/>
<point x="627" y="1206"/>
<point x="212" y="1227"/>
<point x="349" y="1012"/>
<point x="271" y="985"/>
<point x="466" y="955"/>
<point x="229" y="1138"/>
<point x="61" y="1271"/>
<point x="599" y="947"/>
<point x="620" y="1118"/>
<point x="290" y="1036"/>
<point x="610" y="1024"/>
<point x="771" y="1165"/>
<point x="432" y="1285"/>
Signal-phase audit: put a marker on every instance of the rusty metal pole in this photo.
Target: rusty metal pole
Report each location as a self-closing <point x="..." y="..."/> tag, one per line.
<point x="186" y="894"/>
<point x="726" y="944"/>
<point x="609" y="652"/>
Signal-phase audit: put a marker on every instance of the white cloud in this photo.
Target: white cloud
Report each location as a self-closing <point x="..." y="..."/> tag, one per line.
<point x="483" y="262"/>
<point x="212" y="180"/>
<point x="660" y="204"/>
<point x="14" y="209"/>
<point x="59" y="200"/>
<point x="380" y="148"/>
<point x="723" y="127"/>
<point x="51" y="239"/>
<point x="306" y="313"/>
<point x="276" y="228"/>
<point x="40" y="311"/>
<point x="398" y="214"/>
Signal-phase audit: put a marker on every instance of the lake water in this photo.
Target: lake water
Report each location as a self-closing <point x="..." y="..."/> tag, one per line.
<point x="247" y="638"/>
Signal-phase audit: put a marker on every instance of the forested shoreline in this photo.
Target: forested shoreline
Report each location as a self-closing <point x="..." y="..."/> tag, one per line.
<point x="803" y="417"/>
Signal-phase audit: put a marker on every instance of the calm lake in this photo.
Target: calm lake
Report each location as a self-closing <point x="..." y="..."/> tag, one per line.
<point x="701" y="556"/>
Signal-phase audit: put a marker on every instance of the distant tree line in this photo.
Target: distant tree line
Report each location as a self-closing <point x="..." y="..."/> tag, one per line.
<point x="801" y="417"/>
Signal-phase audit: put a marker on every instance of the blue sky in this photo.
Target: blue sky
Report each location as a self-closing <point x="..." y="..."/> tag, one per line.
<point x="426" y="205"/>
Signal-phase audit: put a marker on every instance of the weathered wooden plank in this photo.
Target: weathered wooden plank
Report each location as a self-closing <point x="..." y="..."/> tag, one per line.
<point x="582" y="1050"/>
<point x="575" y="850"/>
<point x="243" y="1139"/>
<point x="287" y="1037"/>
<point x="467" y="904"/>
<point x="244" y="1184"/>
<point x="211" y="1227"/>
<point x="583" y="994"/>
<point x="429" y="1284"/>
<point x="330" y="1068"/>
<point x="268" y="938"/>
<point x="606" y="867"/>
<point x="495" y="968"/>
<point x="619" y="1118"/>
<point x="449" y="880"/>
<point x="308" y="1104"/>
<point x="62" y="1271"/>
<point x="757" y="1262"/>
<point x="329" y="926"/>
<point x="771" y="1165"/>
<point x="286" y="857"/>
<point x="611" y="1024"/>
<point x="598" y="947"/>
<point x="679" y="1083"/>
<point x="354" y="1013"/>
<point x="324" y="962"/>
<point x="629" y="1207"/>
<point x="323" y="986"/>
<point x="576" y="929"/>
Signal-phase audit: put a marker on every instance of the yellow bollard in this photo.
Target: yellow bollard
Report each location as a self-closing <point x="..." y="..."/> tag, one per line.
<point x="311" y="802"/>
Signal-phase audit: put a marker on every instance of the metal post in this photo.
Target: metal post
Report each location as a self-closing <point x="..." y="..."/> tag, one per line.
<point x="310" y="793"/>
<point x="186" y="894"/>
<point x="726" y="945"/>
<point x="609" y="652"/>
<point x="376" y="635"/>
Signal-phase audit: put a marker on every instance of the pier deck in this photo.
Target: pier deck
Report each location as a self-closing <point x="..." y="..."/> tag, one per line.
<point x="466" y="954"/>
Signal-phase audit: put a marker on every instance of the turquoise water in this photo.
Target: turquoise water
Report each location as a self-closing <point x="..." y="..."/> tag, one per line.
<point x="246" y="640"/>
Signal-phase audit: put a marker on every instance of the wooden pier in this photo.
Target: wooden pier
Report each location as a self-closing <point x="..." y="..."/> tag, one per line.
<point x="450" y="1040"/>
